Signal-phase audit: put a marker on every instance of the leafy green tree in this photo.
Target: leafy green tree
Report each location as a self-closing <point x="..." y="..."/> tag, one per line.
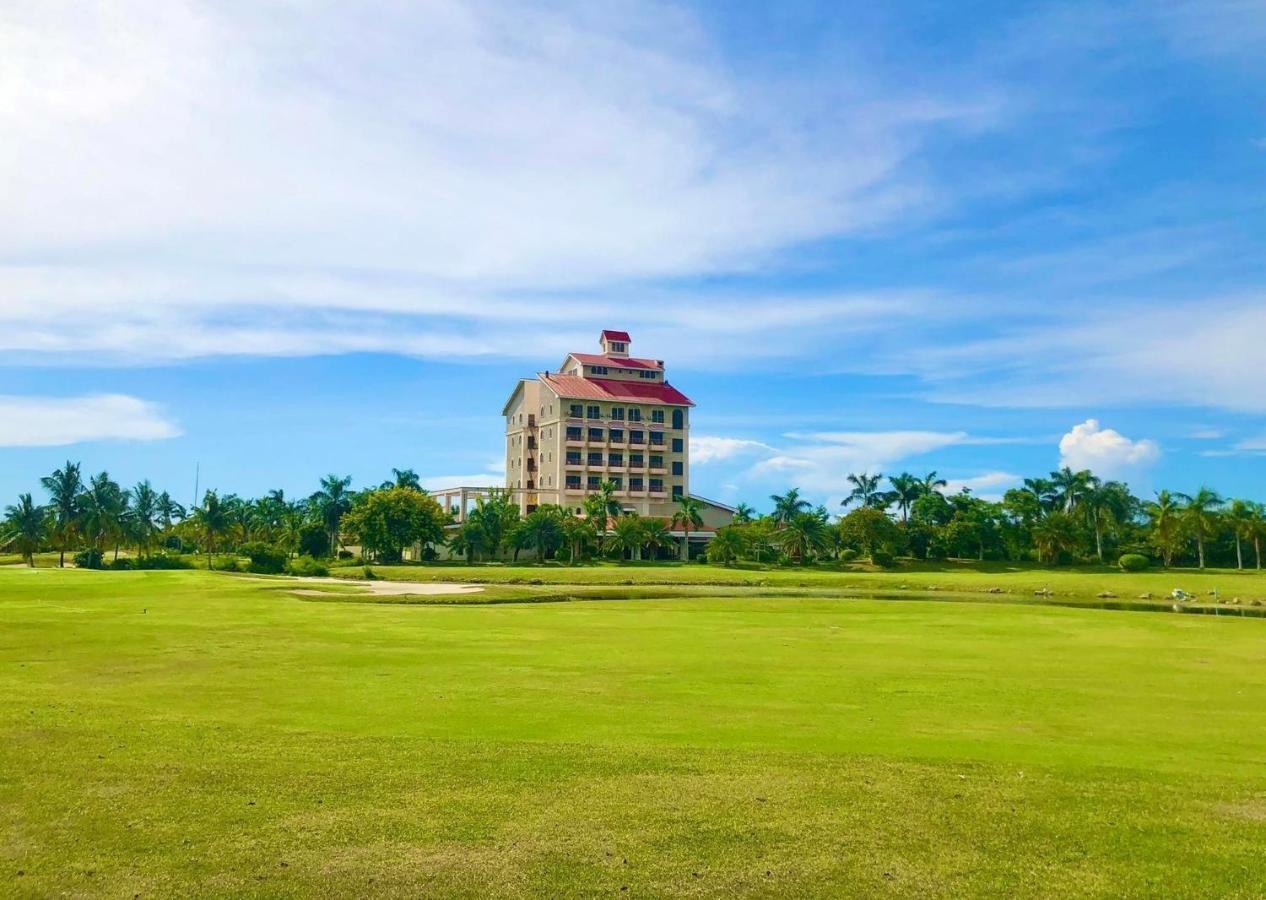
<point x="743" y="514"/>
<point x="1070" y="487"/>
<point x="580" y="534"/>
<point x="688" y="516"/>
<point x="1107" y="504"/>
<point x="601" y="507"/>
<point x="1202" y="517"/>
<point x="1165" y="518"/>
<point x="407" y="478"/>
<point x="26" y="527"/>
<point x="63" y="487"/>
<point x="543" y="529"/>
<point x="143" y="522"/>
<point x="212" y="520"/>
<point x="1242" y="516"/>
<point x="655" y="536"/>
<point x="1044" y="491"/>
<point x="311" y="539"/>
<point x="932" y="482"/>
<point x="727" y="545"/>
<point x="387" y="521"/>
<point x="169" y="511"/>
<point x="866" y="491"/>
<point x="788" y="505"/>
<point x="869" y="530"/>
<point x="102" y="506"/>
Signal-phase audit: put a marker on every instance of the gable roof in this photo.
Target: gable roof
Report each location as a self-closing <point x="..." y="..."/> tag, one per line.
<point x="617" y="336"/>
<point x="622" y="362"/>
<point x="574" y="387"/>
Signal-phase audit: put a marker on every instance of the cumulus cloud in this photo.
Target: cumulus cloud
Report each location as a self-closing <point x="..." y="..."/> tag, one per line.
<point x="1104" y="451"/>
<point x="57" y="421"/>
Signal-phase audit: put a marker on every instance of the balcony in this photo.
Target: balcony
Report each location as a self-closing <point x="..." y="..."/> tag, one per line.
<point x="576" y="463"/>
<point x="658" y="470"/>
<point x="658" y="495"/>
<point x="574" y="489"/>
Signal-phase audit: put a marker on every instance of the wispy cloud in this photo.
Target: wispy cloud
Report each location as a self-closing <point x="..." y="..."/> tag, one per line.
<point x="57" y="421"/>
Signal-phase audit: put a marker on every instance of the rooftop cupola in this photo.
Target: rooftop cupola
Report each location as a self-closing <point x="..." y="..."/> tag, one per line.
<point x="615" y="343"/>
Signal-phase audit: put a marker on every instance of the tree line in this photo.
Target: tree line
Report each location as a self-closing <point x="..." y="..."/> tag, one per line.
<point x="1069" y="516"/>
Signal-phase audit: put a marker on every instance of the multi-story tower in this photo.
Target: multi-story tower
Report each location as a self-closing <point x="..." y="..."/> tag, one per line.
<point x="601" y="417"/>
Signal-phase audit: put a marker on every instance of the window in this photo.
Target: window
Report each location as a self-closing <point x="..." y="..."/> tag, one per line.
<point x="657" y="438"/>
<point x="635" y="415"/>
<point x="677" y="492"/>
<point x="615" y="459"/>
<point x="678" y="468"/>
<point x="635" y="483"/>
<point x="679" y="419"/>
<point x="573" y="459"/>
<point x="617" y="435"/>
<point x="657" y="485"/>
<point x="619" y="346"/>
<point x="636" y="459"/>
<point x="595" y="459"/>
<point x="573" y="481"/>
<point x="657" y="416"/>
<point x="617" y="412"/>
<point x="599" y="370"/>
<point x="637" y="437"/>
<point x="595" y="434"/>
<point x="593" y="412"/>
<point x="573" y="434"/>
<point x="647" y="373"/>
<point x="678" y="444"/>
<point x="657" y="462"/>
<point x="618" y="482"/>
<point x="576" y="410"/>
<point x="593" y="482"/>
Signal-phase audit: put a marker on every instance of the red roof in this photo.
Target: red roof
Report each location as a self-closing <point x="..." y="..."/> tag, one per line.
<point x="617" y="336"/>
<point x="624" y="362"/>
<point x="574" y="387"/>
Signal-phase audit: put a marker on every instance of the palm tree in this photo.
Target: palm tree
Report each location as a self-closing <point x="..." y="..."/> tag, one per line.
<point x="101" y="509"/>
<point x="406" y="478"/>
<point x="1044" y="490"/>
<point x="743" y="514"/>
<point x="601" y="506"/>
<point x="144" y="515"/>
<point x="1164" y="515"/>
<point x="803" y="534"/>
<point x="865" y="491"/>
<point x="1259" y="528"/>
<point x="932" y="481"/>
<point x="1053" y="535"/>
<point x="655" y="535"/>
<point x="579" y="532"/>
<point x="688" y="516"/>
<point x="906" y="488"/>
<point x="1070" y="487"/>
<point x="1107" y="504"/>
<point x="726" y="545"/>
<point x="788" y="505"/>
<point x="25" y="526"/>
<point x="543" y="530"/>
<point x="629" y="535"/>
<point x="1202" y="517"/>
<point x="332" y="502"/>
<point x="169" y="510"/>
<point x="1242" y="516"/>
<point x="63" y="488"/>
<point x="213" y="520"/>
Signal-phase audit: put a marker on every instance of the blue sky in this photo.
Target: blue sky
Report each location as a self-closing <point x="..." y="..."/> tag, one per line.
<point x="280" y="240"/>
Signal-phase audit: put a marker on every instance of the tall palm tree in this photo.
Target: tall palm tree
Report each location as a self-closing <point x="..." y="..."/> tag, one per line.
<point x="406" y="478"/>
<point x="333" y="502"/>
<point x="1259" y="529"/>
<point x="143" y="520"/>
<point x="580" y="532"/>
<point x="213" y="520"/>
<point x="689" y="514"/>
<point x="25" y="527"/>
<point x="743" y="514"/>
<point x="169" y="511"/>
<point x="933" y="481"/>
<point x="655" y="534"/>
<point x="1164" y="515"/>
<point x="102" y="506"/>
<point x="629" y="534"/>
<point x="1202" y="517"/>
<point x="1106" y="504"/>
<point x="906" y="488"/>
<point x="1070" y="487"/>
<point x="63" y="488"/>
<point x="788" y="505"/>
<point x="1242" y="517"/>
<point x="804" y="534"/>
<point x="601" y="507"/>
<point x="1044" y="490"/>
<point x="1053" y="535"/>
<point x="865" y="491"/>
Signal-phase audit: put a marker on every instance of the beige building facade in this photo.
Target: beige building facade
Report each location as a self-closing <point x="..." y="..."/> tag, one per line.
<point x="606" y="416"/>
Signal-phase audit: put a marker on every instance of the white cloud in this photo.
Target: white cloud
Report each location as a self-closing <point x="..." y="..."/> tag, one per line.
<point x="57" y="421"/>
<point x="1104" y="451"/>
<point x="709" y="448"/>
<point x="304" y="180"/>
<point x="984" y="486"/>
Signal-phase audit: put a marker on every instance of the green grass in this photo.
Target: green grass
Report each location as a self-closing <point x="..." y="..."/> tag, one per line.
<point x="174" y="733"/>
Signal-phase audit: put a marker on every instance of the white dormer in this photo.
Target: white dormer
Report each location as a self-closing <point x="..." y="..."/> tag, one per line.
<point x="615" y="343"/>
